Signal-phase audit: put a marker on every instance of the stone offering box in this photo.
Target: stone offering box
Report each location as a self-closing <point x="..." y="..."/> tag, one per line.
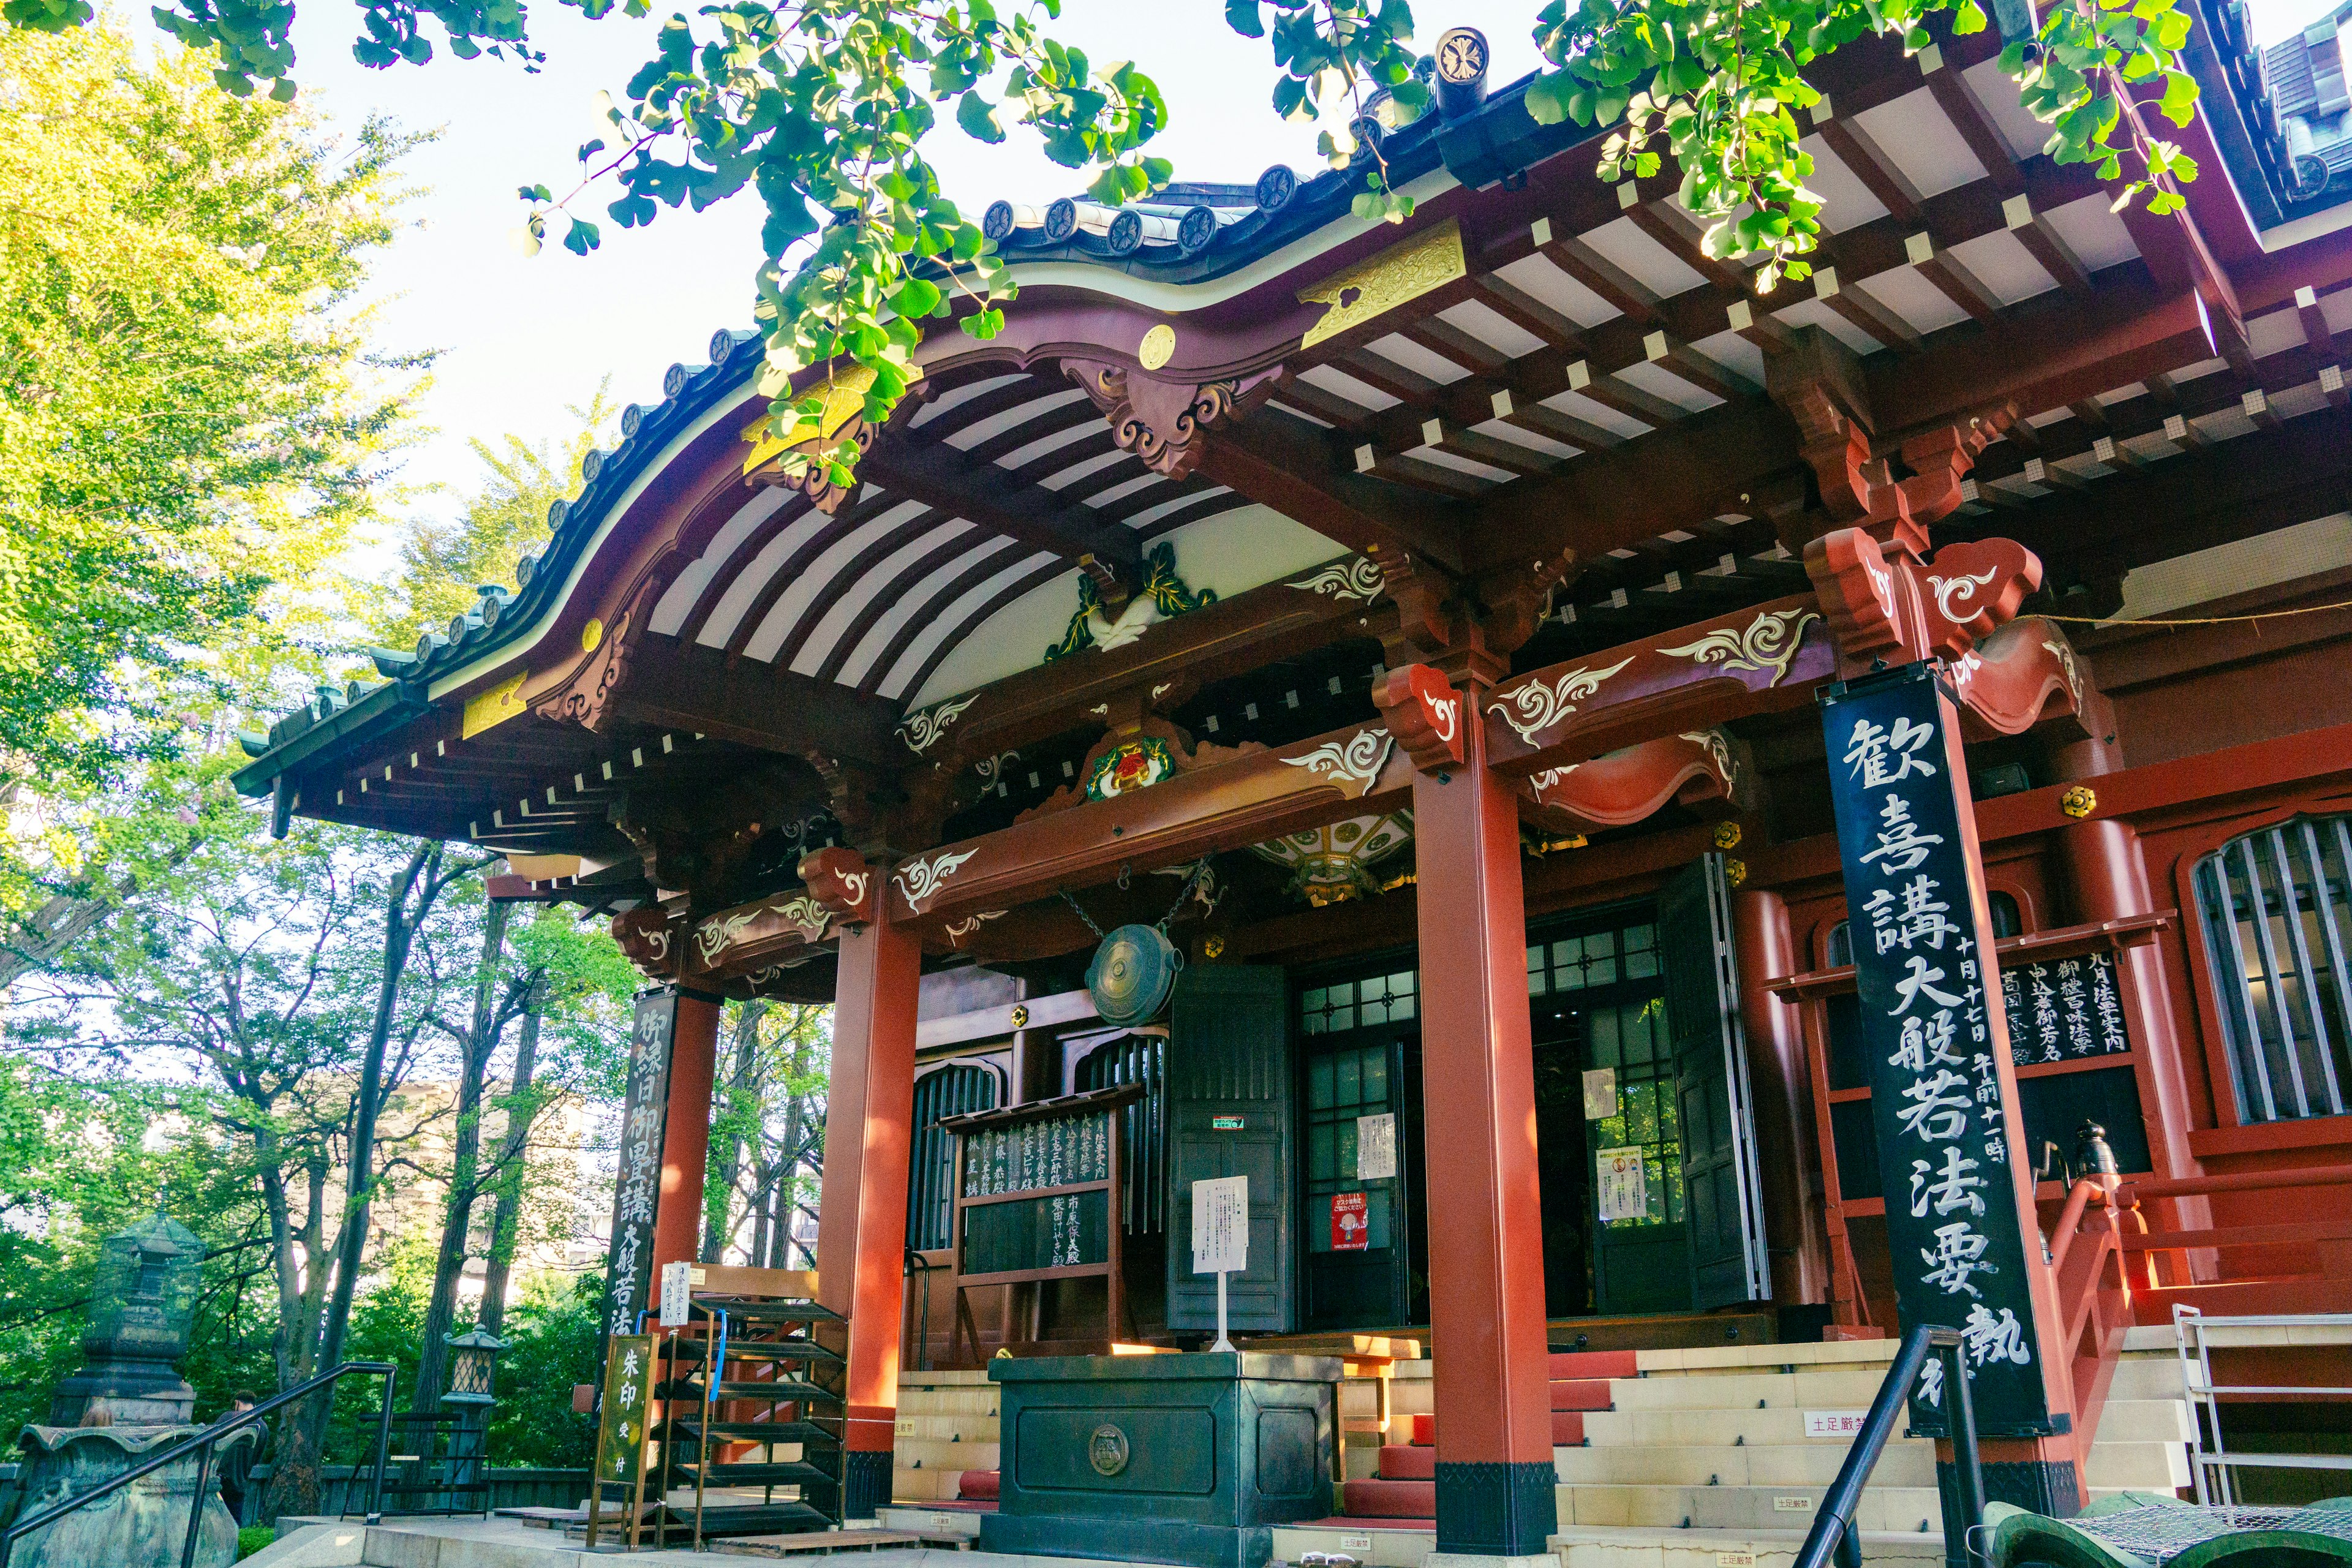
<point x="1187" y="1459"/>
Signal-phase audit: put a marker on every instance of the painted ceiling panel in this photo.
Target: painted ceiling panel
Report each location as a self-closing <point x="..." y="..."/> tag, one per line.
<point x="1547" y="283"/>
<point x="678" y="599"/>
<point x="1846" y="202"/>
<point x="1915" y="132"/>
<point x="1657" y="268"/>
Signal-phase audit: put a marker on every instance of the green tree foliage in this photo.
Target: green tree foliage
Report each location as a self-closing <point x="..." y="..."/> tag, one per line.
<point x="188" y="408"/>
<point x="445" y="562"/>
<point x="552" y="1334"/>
<point x="821" y="107"/>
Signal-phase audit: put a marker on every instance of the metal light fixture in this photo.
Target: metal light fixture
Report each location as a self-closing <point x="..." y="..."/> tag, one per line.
<point x="1333" y="863"/>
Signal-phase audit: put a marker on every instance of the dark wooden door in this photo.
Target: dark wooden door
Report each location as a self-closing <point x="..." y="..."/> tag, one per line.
<point x="1230" y="1114"/>
<point x="1722" y="1194"/>
<point x="1360" y="1061"/>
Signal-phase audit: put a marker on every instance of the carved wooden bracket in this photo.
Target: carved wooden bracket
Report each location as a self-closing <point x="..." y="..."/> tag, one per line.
<point x="650" y="938"/>
<point x="1890" y="607"/>
<point x="1820" y="383"/>
<point x="842" y="883"/>
<point x="1163" y="422"/>
<point x="586" y="698"/>
<point x="1468" y="628"/>
<point x="1628" y="787"/>
<point x="1425" y="714"/>
<point x="814" y="480"/>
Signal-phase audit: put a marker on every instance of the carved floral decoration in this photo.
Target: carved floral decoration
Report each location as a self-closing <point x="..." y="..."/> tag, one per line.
<point x="1535" y="705"/>
<point x="1357" y="577"/>
<point x="1770" y="642"/>
<point x="923" y="729"/>
<point x="1354" y="764"/>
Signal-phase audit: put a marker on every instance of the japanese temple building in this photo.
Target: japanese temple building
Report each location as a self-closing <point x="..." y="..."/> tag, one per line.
<point x="1431" y="629"/>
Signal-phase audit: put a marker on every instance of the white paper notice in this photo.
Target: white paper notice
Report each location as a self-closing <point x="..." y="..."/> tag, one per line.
<point x="1220" y="1226"/>
<point x="1376" y="1151"/>
<point x="1624" y="1187"/>
<point x="1843" y="1425"/>
<point x="1600" y="1093"/>
<point x="675" y="1292"/>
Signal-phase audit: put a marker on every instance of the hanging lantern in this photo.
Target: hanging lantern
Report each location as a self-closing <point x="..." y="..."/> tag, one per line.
<point x="1334" y="862"/>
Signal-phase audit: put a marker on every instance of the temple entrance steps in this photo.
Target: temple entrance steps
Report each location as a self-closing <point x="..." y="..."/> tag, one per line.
<point x="1715" y="1438"/>
<point x="946" y="1425"/>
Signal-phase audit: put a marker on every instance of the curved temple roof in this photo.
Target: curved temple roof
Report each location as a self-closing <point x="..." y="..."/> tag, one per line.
<point x="1537" y="364"/>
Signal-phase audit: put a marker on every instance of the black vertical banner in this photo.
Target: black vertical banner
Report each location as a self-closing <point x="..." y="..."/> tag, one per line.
<point x="644" y="1111"/>
<point x="1943" y="1095"/>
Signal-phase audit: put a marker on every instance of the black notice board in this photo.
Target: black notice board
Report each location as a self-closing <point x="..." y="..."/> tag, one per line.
<point x="644" y="1111"/>
<point x="1944" y="1100"/>
<point x="1034" y="1189"/>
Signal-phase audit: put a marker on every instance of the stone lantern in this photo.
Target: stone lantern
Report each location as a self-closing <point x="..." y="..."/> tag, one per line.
<point x="472" y="1390"/>
<point x="141" y="1306"/>
<point x="473" y="1369"/>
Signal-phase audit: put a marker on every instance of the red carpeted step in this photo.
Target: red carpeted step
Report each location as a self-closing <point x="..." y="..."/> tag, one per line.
<point x="1379" y="1498"/>
<point x="977" y="1486"/>
<point x="1566" y="1365"/>
<point x="1567" y="1429"/>
<point x="1403" y="1462"/>
<point x="1583" y="1393"/>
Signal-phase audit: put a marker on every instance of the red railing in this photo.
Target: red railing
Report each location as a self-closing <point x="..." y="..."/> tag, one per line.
<point x="2105" y="1257"/>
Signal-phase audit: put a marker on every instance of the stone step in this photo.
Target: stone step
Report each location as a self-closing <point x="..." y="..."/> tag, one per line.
<point x="1593" y="1547"/>
<point x="1583" y="1393"/>
<point x="915" y="1426"/>
<point x="981" y="1401"/>
<point x="928" y="1484"/>
<point x="1908" y="1464"/>
<point x="1899" y="1509"/>
<point x="1379" y="1499"/>
<point x="2134" y="1421"/>
<point x="1375" y="1543"/>
<point x="914" y="1454"/>
<point x="1836" y="1389"/>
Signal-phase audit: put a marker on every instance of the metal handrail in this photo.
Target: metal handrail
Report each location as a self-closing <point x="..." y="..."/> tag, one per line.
<point x="203" y="1444"/>
<point x="1833" y="1537"/>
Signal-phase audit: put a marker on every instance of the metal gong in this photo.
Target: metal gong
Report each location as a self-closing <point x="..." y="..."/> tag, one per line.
<point x="1132" y="972"/>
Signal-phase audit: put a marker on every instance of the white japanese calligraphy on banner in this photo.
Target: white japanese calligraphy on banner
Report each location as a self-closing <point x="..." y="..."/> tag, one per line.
<point x="1922" y="935"/>
<point x="2063" y="1009"/>
<point x="645" y="1111"/>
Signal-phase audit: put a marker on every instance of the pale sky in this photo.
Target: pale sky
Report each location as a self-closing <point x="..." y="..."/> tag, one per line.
<point x="524" y="337"/>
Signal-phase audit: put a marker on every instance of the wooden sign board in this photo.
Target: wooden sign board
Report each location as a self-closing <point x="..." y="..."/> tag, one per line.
<point x="621" y="1429"/>
<point x="1038" y="1196"/>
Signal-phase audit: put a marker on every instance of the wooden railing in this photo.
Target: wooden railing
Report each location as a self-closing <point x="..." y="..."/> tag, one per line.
<point x="2095" y="1295"/>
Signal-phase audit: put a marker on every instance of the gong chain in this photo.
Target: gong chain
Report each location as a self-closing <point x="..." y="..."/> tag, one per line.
<point x="1182" y="893"/>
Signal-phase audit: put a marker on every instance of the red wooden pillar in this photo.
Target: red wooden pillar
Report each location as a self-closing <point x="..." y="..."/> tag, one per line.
<point x="1495" y="1468"/>
<point x="861" y="1210"/>
<point x="685" y="1131"/>
<point x="1787" y="1147"/>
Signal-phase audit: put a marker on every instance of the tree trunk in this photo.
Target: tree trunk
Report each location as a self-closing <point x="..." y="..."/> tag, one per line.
<point x="464" y="1164"/>
<point x="727" y="1161"/>
<point x="506" y="1218"/>
<point x="294" y="1474"/>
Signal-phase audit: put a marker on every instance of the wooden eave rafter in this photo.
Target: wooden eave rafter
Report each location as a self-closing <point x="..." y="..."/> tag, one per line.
<point x="973" y="488"/>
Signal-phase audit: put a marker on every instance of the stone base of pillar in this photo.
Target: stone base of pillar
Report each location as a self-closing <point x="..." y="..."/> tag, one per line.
<point x="865" y="1483"/>
<point x="1493" y="1511"/>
